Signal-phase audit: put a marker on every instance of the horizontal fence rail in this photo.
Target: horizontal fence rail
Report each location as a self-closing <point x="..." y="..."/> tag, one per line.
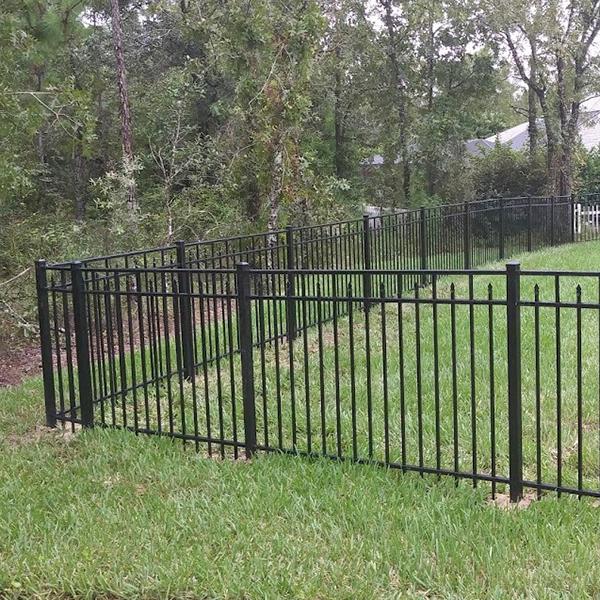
<point x="376" y="340"/>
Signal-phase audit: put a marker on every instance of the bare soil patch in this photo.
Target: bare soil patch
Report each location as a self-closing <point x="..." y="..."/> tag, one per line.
<point x="38" y="434"/>
<point x="18" y="361"/>
<point x="502" y="501"/>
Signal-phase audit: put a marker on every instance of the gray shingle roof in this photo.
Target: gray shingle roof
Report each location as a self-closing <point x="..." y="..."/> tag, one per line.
<point x="517" y="137"/>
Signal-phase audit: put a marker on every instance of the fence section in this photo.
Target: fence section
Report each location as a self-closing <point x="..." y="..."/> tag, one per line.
<point x="370" y="340"/>
<point x="394" y="384"/>
<point x="441" y="237"/>
<point x="144" y="349"/>
<point x="483" y="375"/>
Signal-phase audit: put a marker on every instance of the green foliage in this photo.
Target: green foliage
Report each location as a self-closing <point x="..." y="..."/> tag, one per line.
<point x="589" y="176"/>
<point x="241" y="111"/>
<point x="503" y="171"/>
<point x="246" y="116"/>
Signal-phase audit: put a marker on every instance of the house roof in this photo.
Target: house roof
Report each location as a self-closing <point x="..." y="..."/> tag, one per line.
<point x="477" y="147"/>
<point x="517" y="137"/>
<point x="590" y="129"/>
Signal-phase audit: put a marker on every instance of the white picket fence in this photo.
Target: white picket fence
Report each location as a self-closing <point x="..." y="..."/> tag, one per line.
<point x="587" y="216"/>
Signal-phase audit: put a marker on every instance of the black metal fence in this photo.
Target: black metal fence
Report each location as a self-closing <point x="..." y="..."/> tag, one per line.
<point x="372" y="340"/>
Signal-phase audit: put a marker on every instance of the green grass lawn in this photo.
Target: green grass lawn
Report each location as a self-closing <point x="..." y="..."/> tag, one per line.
<point x="106" y="514"/>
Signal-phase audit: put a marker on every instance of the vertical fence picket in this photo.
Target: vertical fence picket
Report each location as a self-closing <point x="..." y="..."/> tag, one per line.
<point x="80" y="323"/>
<point x="291" y="314"/>
<point x="41" y="280"/>
<point x="552" y="221"/>
<point x="513" y="327"/>
<point x="185" y="313"/>
<point x="423" y="243"/>
<point x="467" y="235"/>
<point x="366" y="236"/>
<point x="502" y="233"/>
<point x="247" y="369"/>
<point x="572" y="201"/>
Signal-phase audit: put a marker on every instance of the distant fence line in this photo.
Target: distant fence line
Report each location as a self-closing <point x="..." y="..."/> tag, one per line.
<point x="257" y="343"/>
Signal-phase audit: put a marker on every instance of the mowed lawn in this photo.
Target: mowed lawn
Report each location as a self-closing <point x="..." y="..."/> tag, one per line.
<point x="106" y="514"/>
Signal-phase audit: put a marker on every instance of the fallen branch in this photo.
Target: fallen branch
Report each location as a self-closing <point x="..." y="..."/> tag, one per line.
<point x="3" y="283"/>
<point x="19" y="318"/>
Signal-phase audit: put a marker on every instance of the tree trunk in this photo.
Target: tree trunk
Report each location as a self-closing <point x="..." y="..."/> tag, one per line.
<point x="568" y="149"/>
<point x="338" y="118"/>
<point x="552" y="140"/>
<point x="79" y="177"/>
<point x="167" y="196"/>
<point x="406" y="171"/>
<point x="430" y="162"/>
<point x="40" y="141"/>
<point x="399" y="84"/>
<point x="80" y="163"/>
<point x="274" y="193"/>
<point x="337" y="109"/>
<point x="569" y="121"/>
<point x="532" y="100"/>
<point x="124" y="106"/>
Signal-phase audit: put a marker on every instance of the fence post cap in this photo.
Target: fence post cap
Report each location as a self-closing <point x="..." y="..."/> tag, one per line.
<point x="513" y="265"/>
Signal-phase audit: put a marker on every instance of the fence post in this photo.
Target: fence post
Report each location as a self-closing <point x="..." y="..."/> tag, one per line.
<point x="529" y="224"/>
<point x="80" y="323"/>
<point x="501" y="240"/>
<point x="423" y="243"/>
<point x="185" y="313"/>
<point x="552" y="212"/>
<point x="515" y="440"/>
<point x="41" y="281"/>
<point x="572" y="217"/>
<point x="292" y="330"/>
<point x="367" y="292"/>
<point x="467" y="234"/>
<point x="247" y="361"/>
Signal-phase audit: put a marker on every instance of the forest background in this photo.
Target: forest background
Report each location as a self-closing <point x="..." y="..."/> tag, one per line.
<point x="128" y="124"/>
